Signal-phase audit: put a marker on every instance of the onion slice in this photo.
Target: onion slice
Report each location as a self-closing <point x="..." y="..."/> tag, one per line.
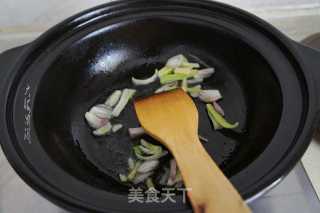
<point x="148" y="166"/>
<point x="205" y="73"/>
<point x="136" y="132"/>
<point x="218" y="108"/>
<point x="173" y="172"/>
<point x="141" y="177"/>
<point x="139" y="82"/>
<point x="95" y="122"/>
<point x="209" y="96"/>
<point x="176" y="61"/>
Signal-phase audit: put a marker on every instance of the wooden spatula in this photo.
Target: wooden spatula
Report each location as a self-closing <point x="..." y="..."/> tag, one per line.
<point x="172" y="119"/>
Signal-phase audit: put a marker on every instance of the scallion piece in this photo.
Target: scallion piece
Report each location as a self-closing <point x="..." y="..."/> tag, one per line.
<point x="167" y="87"/>
<point x="172" y="77"/>
<point x="194" y="91"/>
<point x="126" y="95"/>
<point x="139" y="154"/>
<point x="165" y="71"/>
<point x="184" y="85"/>
<point x="153" y="148"/>
<point x="106" y="129"/>
<point x="123" y="178"/>
<point x="134" y="171"/>
<point x="113" y="99"/>
<point x="186" y="71"/>
<point x="190" y="65"/>
<point x="149" y="183"/>
<point x="116" y="127"/>
<point x="216" y="118"/>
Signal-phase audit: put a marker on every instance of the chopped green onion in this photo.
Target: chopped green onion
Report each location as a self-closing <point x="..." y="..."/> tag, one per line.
<point x="194" y="91"/>
<point x="190" y="65"/>
<point x="178" y="176"/>
<point x="167" y="87"/>
<point x="165" y="71"/>
<point x="218" y="119"/>
<point x="123" y="178"/>
<point x="153" y="148"/>
<point x="126" y="95"/>
<point x="131" y="163"/>
<point x="134" y="171"/>
<point x="113" y="99"/>
<point x="149" y="183"/>
<point x="145" y="150"/>
<point x="116" y="127"/>
<point x="139" y="82"/>
<point x="172" y="77"/>
<point x="186" y="71"/>
<point x="139" y="154"/>
<point x="148" y="166"/>
<point x="103" y="130"/>
<point x="184" y="85"/>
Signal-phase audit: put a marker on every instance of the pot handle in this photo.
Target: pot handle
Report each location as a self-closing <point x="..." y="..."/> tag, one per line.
<point x="309" y="54"/>
<point x="8" y="59"/>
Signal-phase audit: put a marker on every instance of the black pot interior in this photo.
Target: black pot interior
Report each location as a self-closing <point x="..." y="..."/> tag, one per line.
<point x="91" y="64"/>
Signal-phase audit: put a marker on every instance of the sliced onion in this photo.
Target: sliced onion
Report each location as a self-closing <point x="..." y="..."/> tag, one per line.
<point x="136" y="132"/>
<point x="167" y="87"/>
<point x="205" y="73"/>
<point x="218" y="108"/>
<point x="94" y="121"/>
<point x="210" y="96"/>
<point x="147" y="81"/>
<point x="126" y="95"/>
<point x="141" y="177"/>
<point x="173" y="172"/>
<point x="113" y="99"/>
<point x="116" y="127"/>
<point x="196" y="80"/>
<point x="203" y="138"/>
<point x="106" y="129"/>
<point x="102" y="111"/>
<point x="176" y="61"/>
<point x="164" y="177"/>
<point x="148" y="166"/>
<point x="131" y="163"/>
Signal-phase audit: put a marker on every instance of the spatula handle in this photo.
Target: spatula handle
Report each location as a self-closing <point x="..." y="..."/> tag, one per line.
<point x="210" y="191"/>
